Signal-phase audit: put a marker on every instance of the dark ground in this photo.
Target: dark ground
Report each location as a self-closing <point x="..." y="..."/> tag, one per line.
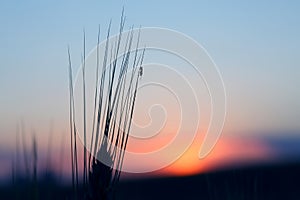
<point x="264" y="182"/>
<point x="268" y="182"/>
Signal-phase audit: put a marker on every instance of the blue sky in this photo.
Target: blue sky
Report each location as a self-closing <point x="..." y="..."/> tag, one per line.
<point x="255" y="44"/>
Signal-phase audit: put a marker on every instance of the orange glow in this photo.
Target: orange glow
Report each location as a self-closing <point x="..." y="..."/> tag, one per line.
<point x="226" y="152"/>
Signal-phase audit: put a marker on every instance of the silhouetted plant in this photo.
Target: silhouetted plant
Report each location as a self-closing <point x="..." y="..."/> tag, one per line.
<point x="114" y="102"/>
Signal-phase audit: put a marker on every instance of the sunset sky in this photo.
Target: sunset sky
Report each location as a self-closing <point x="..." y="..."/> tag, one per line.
<point x="255" y="46"/>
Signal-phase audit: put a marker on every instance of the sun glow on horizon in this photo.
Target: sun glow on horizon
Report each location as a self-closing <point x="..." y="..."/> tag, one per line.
<point x="227" y="152"/>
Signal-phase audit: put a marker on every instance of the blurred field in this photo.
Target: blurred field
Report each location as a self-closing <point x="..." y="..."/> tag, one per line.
<point x="276" y="181"/>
